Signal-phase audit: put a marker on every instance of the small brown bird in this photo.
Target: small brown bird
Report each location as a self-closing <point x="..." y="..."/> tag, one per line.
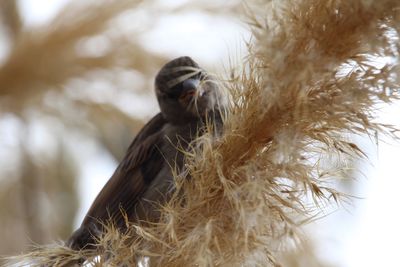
<point x="187" y="96"/>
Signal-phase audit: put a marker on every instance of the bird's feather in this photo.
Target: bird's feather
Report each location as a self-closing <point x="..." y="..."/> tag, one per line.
<point x="127" y="185"/>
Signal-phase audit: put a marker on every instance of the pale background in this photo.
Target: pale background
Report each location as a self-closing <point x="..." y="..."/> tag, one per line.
<point x="365" y="233"/>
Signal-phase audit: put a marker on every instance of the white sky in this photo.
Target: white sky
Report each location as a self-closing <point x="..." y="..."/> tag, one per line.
<point x="35" y="14"/>
<point x="365" y="235"/>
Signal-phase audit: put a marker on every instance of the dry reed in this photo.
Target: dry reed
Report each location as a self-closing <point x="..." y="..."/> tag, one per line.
<point x="49" y="76"/>
<point x="308" y="82"/>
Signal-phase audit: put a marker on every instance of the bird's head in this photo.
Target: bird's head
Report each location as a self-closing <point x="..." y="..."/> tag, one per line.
<point x="185" y="91"/>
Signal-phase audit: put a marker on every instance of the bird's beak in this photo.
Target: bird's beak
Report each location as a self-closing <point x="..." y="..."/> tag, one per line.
<point x="192" y="85"/>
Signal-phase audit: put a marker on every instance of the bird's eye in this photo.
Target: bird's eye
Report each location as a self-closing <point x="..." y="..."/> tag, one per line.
<point x="202" y="76"/>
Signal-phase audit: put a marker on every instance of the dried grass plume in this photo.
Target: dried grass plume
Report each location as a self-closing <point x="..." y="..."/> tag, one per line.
<point x="309" y="80"/>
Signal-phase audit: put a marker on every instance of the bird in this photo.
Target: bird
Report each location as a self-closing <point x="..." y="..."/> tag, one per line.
<point x="188" y="97"/>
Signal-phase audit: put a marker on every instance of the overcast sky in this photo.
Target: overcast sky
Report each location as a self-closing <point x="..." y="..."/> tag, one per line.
<point x="366" y="234"/>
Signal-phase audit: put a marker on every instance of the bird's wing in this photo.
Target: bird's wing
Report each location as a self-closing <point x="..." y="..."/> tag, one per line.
<point x="140" y="165"/>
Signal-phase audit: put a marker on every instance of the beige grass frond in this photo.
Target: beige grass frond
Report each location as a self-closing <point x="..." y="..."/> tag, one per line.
<point x="293" y="103"/>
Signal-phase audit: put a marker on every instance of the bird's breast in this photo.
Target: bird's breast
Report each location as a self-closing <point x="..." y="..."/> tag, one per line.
<point x="175" y="139"/>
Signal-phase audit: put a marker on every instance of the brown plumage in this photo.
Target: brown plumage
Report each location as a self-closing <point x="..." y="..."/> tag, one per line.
<point x="186" y="95"/>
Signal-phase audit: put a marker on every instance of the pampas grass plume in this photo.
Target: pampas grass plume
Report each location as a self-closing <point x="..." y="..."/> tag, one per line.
<point x="291" y="104"/>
